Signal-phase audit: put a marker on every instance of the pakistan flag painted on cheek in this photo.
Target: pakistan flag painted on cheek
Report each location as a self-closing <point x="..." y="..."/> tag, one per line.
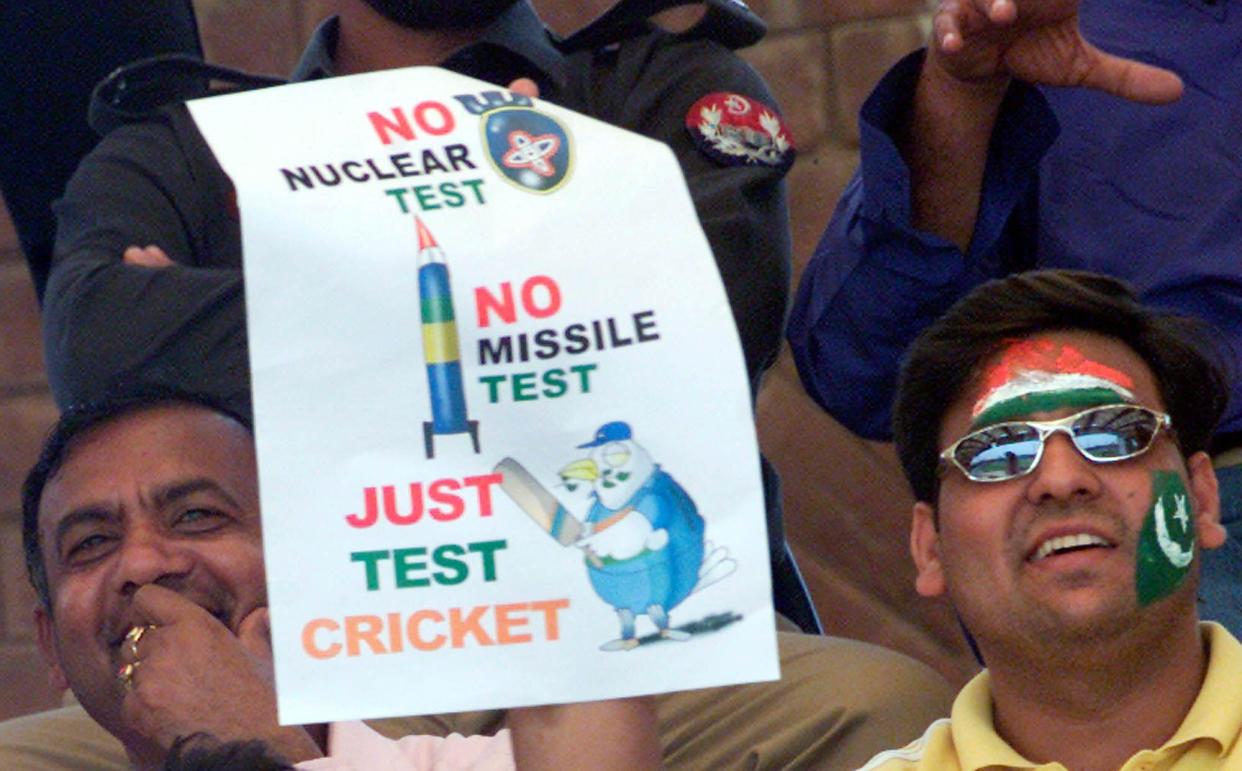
<point x="1041" y="375"/>
<point x="1167" y="544"/>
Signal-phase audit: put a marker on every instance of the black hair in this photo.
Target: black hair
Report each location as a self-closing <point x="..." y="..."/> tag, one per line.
<point x="75" y="421"/>
<point x="204" y="752"/>
<point x="1183" y="354"/>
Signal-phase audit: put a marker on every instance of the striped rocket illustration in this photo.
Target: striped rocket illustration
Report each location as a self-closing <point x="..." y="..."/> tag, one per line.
<point x="441" y="352"/>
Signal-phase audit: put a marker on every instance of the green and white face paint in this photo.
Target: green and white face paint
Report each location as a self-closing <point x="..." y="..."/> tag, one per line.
<point x="1040" y="375"/>
<point x="1167" y="543"/>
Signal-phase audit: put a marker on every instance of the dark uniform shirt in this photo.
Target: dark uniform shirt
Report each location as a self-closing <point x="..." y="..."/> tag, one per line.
<point x="155" y="182"/>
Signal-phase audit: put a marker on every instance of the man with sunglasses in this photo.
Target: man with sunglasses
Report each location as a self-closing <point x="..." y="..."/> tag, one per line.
<point x="1091" y="134"/>
<point x="1054" y="433"/>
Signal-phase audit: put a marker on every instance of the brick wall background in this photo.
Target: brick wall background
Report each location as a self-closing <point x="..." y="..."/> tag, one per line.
<point x="846" y="505"/>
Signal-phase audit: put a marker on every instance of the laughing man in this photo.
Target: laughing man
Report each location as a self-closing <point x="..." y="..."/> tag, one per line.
<point x="141" y="527"/>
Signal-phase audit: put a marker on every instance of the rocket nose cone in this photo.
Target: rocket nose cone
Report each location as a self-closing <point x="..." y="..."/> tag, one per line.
<point x="425" y="239"/>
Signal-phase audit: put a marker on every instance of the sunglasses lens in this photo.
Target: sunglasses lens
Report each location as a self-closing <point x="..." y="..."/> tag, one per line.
<point x="1102" y="434"/>
<point x="1112" y="433"/>
<point x="999" y="452"/>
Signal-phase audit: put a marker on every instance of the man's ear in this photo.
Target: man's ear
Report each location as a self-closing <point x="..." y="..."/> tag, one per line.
<point x="1206" y="494"/>
<point x="47" y="646"/>
<point x="925" y="549"/>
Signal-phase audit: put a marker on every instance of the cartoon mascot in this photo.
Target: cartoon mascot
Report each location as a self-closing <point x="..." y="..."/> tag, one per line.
<point x="643" y="534"/>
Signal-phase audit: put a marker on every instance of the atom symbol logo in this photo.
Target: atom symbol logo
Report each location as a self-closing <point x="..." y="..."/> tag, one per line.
<point x="534" y="153"/>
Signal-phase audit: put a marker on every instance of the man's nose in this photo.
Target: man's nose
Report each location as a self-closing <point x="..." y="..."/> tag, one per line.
<point x="149" y="557"/>
<point x="1063" y="473"/>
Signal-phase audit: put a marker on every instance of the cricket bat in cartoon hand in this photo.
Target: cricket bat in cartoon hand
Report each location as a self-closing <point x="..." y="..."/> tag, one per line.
<point x="539" y="504"/>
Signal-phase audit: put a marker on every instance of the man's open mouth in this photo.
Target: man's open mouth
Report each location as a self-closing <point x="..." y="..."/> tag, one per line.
<point x="1065" y="544"/>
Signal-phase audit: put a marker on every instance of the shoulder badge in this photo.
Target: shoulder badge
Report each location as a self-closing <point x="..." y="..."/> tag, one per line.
<point x="735" y="130"/>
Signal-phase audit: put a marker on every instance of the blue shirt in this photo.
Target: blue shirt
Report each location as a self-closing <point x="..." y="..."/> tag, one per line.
<point x="1074" y="179"/>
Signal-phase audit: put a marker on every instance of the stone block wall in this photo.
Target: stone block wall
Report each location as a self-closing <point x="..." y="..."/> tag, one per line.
<point x="846" y="503"/>
<point x="26" y="411"/>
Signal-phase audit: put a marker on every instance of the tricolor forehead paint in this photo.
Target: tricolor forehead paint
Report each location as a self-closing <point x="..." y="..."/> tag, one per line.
<point x="1167" y="543"/>
<point x="1041" y="375"/>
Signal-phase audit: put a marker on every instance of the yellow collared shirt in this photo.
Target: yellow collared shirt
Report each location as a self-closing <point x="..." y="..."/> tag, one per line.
<point x="1209" y="738"/>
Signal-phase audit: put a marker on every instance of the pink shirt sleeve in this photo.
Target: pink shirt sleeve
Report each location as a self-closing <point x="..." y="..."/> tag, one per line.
<point x="355" y="746"/>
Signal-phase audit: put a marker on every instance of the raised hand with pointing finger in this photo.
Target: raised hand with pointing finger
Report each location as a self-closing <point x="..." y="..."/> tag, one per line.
<point x="982" y="41"/>
<point x="978" y="47"/>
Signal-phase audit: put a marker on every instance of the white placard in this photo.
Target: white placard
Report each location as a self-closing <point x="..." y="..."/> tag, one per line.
<point x="505" y="441"/>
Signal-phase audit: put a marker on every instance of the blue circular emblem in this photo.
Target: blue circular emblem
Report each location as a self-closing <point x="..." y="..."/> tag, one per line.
<point x="530" y="149"/>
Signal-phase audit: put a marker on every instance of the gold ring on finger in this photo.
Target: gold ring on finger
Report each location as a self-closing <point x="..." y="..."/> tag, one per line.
<point x="126" y="675"/>
<point x="135" y="634"/>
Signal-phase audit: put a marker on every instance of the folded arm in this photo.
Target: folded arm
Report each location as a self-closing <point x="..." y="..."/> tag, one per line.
<point x="109" y="319"/>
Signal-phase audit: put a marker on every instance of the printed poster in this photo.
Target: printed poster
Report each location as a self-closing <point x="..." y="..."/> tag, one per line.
<point x="506" y="450"/>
